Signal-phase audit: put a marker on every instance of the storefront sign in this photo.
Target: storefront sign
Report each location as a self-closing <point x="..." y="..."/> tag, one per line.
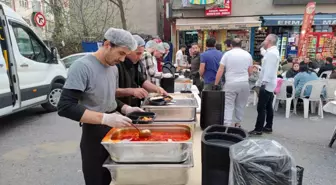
<point x="217" y="26"/>
<point x="220" y="8"/>
<point x="298" y="2"/>
<point x="306" y="29"/>
<point x="296" y="20"/>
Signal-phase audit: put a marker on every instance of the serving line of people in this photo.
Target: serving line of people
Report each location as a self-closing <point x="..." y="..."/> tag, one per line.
<point x="89" y="94"/>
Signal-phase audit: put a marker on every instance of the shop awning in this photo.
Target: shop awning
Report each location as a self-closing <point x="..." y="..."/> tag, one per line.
<point x="296" y="20"/>
<point x="217" y="23"/>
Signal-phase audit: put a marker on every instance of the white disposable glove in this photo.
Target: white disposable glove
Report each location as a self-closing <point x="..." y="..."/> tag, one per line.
<point x="116" y="120"/>
<point x="128" y="109"/>
<point x="167" y="75"/>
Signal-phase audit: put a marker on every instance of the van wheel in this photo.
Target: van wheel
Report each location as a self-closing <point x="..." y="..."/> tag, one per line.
<point x="53" y="98"/>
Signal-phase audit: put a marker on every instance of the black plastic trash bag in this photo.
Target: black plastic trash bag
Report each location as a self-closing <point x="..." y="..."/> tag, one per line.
<point x="261" y="162"/>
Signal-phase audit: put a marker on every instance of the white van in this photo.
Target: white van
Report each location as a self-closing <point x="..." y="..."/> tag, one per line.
<point x="30" y="73"/>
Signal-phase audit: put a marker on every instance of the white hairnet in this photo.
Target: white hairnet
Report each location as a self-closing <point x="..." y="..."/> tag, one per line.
<point x="139" y="40"/>
<point x="151" y="44"/>
<point x="166" y="45"/>
<point x="161" y="48"/>
<point x="121" y="38"/>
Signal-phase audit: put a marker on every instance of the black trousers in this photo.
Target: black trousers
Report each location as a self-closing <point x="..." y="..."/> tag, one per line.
<point x="94" y="155"/>
<point x="265" y="110"/>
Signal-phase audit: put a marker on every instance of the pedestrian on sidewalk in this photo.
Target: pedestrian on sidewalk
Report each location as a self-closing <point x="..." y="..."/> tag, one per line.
<point x="237" y="64"/>
<point x="267" y="83"/>
<point x="210" y="63"/>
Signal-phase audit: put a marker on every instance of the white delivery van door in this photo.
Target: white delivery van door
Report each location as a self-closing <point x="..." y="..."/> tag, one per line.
<point x="6" y="103"/>
<point x="32" y="58"/>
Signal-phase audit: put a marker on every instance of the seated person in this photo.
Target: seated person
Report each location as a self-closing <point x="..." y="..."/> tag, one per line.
<point x="288" y="65"/>
<point x="333" y="75"/>
<point x="291" y="73"/>
<point x="254" y="76"/>
<point x="305" y="75"/>
<point x="328" y="66"/>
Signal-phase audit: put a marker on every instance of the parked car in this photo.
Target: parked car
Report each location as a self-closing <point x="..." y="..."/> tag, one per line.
<point x="68" y="60"/>
<point x="30" y="72"/>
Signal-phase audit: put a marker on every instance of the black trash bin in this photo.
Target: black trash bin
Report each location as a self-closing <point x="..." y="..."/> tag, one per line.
<point x="168" y="84"/>
<point x="226" y="130"/>
<point x="212" y="108"/>
<point x="216" y="142"/>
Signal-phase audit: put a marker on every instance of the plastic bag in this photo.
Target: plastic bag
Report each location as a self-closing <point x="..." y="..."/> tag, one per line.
<point x="261" y="162"/>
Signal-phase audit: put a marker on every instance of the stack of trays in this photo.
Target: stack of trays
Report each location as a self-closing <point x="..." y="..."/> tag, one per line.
<point x="181" y="112"/>
<point x="156" y="161"/>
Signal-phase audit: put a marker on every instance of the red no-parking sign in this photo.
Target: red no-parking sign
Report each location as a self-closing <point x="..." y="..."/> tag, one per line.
<point x="40" y="20"/>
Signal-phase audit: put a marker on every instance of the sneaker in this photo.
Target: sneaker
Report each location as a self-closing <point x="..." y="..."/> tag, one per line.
<point x="267" y="130"/>
<point x="255" y="133"/>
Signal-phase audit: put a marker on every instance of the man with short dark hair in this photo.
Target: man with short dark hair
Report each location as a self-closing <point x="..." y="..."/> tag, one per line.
<point x="180" y="60"/>
<point x="237" y="64"/>
<point x="328" y="66"/>
<point x="195" y="66"/>
<point x="228" y="45"/>
<point x="88" y="97"/>
<point x="219" y="47"/>
<point x="209" y="63"/>
<point x="132" y="85"/>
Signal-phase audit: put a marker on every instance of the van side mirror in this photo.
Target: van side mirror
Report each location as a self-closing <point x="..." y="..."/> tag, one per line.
<point x="54" y="54"/>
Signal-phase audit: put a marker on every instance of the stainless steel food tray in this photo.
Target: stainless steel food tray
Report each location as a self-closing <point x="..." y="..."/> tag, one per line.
<point x="191" y="124"/>
<point x="183" y="110"/>
<point x="149" y="174"/>
<point x="181" y="85"/>
<point x="149" y="151"/>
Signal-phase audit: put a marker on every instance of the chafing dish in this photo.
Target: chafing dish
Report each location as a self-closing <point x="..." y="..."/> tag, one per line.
<point x="149" y="174"/>
<point x="191" y="124"/>
<point x="184" y="108"/>
<point x="182" y="84"/>
<point x="126" y="151"/>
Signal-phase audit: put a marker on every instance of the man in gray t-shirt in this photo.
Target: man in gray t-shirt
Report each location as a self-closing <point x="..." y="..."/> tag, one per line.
<point x="89" y="97"/>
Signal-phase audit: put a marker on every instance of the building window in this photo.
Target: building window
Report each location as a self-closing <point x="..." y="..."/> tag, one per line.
<point x="23" y="3"/>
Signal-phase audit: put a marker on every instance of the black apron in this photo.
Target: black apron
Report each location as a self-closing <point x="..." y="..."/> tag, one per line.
<point x="94" y="155"/>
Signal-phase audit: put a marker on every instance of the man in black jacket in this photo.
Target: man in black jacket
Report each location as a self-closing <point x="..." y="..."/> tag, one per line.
<point x="132" y="85"/>
<point x="328" y="66"/>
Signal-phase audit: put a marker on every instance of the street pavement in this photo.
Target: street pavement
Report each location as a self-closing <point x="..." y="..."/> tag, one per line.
<point x="38" y="148"/>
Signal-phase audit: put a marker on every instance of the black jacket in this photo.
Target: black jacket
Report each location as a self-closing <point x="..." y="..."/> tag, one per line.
<point x="291" y="73"/>
<point x="130" y="76"/>
<point x="325" y="67"/>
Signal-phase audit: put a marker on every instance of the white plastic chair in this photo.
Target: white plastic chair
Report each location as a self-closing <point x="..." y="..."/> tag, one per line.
<point x="284" y="74"/>
<point x="283" y="96"/>
<point x="315" y="97"/>
<point x="326" y="73"/>
<point x="331" y="89"/>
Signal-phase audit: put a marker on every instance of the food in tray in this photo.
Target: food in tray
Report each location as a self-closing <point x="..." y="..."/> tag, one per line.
<point x="133" y="135"/>
<point x="158" y="98"/>
<point x="168" y="98"/>
<point x="146" y="118"/>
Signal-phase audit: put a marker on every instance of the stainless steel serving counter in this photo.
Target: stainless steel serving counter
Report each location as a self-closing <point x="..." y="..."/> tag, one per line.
<point x="183" y="110"/>
<point x="149" y="174"/>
